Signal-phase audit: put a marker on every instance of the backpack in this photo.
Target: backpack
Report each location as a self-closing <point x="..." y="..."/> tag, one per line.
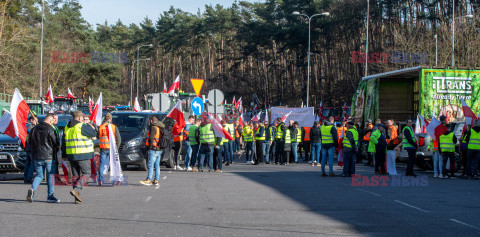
<point x="164" y="140"/>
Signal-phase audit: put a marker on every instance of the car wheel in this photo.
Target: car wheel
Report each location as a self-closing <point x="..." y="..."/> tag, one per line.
<point x="143" y="165"/>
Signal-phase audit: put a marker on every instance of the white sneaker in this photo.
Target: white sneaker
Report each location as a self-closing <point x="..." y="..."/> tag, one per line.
<point x="441" y="176"/>
<point x="175" y="167"/>
<point x="179" y="167"/>
<point x="252" y="162"/>
<point x="189" y="168"/>
<point x="435" y="176"/>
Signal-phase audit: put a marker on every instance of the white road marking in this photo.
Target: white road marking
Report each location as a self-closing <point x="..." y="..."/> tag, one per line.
<point x="148" y="199"/>
<point x="459" y="222"/>
<point x="369" y="192"/>
<point x="408" y="205"/>
<point x="165" y="177"/>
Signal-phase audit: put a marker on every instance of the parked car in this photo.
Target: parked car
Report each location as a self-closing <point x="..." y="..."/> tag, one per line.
<point x="12" y="154"/>
<point x="133" y="128"/>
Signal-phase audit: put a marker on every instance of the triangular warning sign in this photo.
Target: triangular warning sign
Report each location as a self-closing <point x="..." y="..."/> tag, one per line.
<point x="197" y="85"/>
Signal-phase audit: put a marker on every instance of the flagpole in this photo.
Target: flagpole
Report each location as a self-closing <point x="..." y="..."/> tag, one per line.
<point x="41" y="53"/>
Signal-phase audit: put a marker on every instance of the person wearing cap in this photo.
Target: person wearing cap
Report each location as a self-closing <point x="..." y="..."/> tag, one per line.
<point x="296" y="134"/>
<point x="350" y="145"/>
<point x="77" y="147"/>
<point x="410" y="145"/>
<point x="366" y="140"/>
<point x="447" y="149"/>
<point x="380" y="149"/>
<point x="105" y="144"/>
<point x="473" y="141"/>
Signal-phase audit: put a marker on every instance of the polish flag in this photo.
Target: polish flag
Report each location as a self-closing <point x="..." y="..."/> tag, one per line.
<point x="239" y="102"/>
<point x="14" y="124"/>
<point x="256" y="107"/>
<point x="164" y="87"/>
<point x="467" y="112"/>
<point x="256" y="118"/>
<point x="435" y="128"/>
<point x="240" y="119"/>
<point x="116" y="174"/>
<point x="49" y="96"/>
<point x="176" y="113"/>
<point x="219" y="129"/>
<point x="233" y="102"/>
<point x="65" y="171"/>
<point x="286" y="116"/>
<point x="96" y="116"/>
<point x="420" y="125"/>
<point x="266" y="115"/>
<point x="175" y="85"/>
<point x="136" y="106"/>
<point x="90" y="104"/>
<point x="70" y="94"/>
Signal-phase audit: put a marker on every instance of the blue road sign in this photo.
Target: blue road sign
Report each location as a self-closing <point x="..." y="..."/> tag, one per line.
<point x="197" y="106"/>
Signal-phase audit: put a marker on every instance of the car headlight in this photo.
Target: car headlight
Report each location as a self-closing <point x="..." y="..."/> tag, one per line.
<point x="135" y="142"/>
<point x="64" y="107"/>
<point x="55" y="107"/>
<point x="73" y="108"/>
<point x="47" y="107"/>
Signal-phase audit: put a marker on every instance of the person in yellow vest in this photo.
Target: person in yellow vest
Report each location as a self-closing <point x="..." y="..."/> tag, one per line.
<point x="464" y="149"/>
<point x="350" y="146"/>
<point x="280" y="142"/>
<point x="188" y="144"/>
<point x="410" y="145"/>
<point x="447" y="149"/>
<point x="260" y="136"/>
<point x="473" y="141"/>
<point x="329" y="143"/>
<point x="154" y="151"/>
<point x="296" y="139"/>
<point x="218" y="151"/>
<point x="306" y="142"/>
<point x="194" y="138"/>
<point x="228" y="144"/>
<point x="105" y="144"/>
<point x="77" y="147"/>
<point x="366" y="141"/>
<point x="248" y="134"/>
<point x="207" y="145"/>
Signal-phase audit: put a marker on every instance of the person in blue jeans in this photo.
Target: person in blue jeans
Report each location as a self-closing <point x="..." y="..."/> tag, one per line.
<point x="316" y="143"/>
<point x="188" y="146"/>
<point x="154" y="151"/>
<point x="329" y="143"/>
<point x="206" y="151"/>
<point x="29" y="166"/>
<point x="105" y="145"/>
<point x="44" y="145"/>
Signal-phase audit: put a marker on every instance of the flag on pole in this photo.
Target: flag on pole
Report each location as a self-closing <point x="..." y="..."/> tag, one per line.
<point x="468" y="113"/>
<point x="49" y="96"/>
<point x="90" y="104"/>
<point x="175" y="85"/>
<point x="116" y="174"/>
<point x="70" y="94"/>
<point x="266" y="116"/>
<point x="256" y="107"/>
<point x="177" y="114"/>
<point x="136" y="106"/>
<point x="96" y="116"/>
<point x="14" y="123"/>
<point x="286" y="116"/>
<point x="240" y="119"/>
<point x="165" y="87"/>
<point x="435" y="128"/>
<point x="239" y="102"/>
<point x="65" y="171"/>
<point x="256" y="118"/>
<point x="219" y="130"/>
<point x="233" y="102"/>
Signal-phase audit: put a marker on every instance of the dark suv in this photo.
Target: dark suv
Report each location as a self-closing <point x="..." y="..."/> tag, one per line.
<point x="133" y="128"/>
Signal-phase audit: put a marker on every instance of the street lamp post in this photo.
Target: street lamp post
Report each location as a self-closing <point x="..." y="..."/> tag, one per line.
<point x="131" y="80"/>
<point x="138" y="68"/>
<point x="453" y="32"/>
<point x="296" y="13"/>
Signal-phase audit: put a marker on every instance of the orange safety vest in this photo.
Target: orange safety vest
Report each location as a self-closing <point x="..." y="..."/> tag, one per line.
<point x="339" y="132"/>
<point x="178" y="137"/>
<point x="156" y="139"/>
<point x="237" y="134"/>
<point x="367" y="136"/>
<point x="307" y="134"/>
<point x="103" y="136"/>
<point x="394" y="137"/>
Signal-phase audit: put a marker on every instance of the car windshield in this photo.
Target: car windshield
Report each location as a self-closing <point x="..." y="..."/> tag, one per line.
<point x="130" y="123"/>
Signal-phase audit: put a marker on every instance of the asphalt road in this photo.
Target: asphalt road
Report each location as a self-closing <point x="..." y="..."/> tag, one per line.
<point x="247" y="200"/>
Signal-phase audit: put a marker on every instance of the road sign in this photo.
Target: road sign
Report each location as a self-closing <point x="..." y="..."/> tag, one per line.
<point x="197" y="85"/>
<point x="216" y="97"/>
<point x="197" y="106"/>
<point x="161" y="102"/>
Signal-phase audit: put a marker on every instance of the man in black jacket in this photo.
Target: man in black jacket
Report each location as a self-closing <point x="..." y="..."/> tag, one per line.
<point x="316" y="142"/>
<point x="44" y="144"/>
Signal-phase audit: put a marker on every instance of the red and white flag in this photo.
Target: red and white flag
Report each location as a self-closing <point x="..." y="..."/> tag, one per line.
<point x="96" y="116"/>
<point x="90" y="104"/>
<point x="6" y="124"/>
<point x="177" y="114"/>
<point x="256" y="118"/>
<point x="219" y="130"/>
<point x="239" y="102"/>
<point x="70" y="94"/>
<point x="49" y="96"/>
<point x="165" y="87"/>
<point x="266" y="116"/>
<point x="175" y="85"/>
<point x="256" y="107"/>
<point x="468" y="113"/>
<point x="116" y="174"/>
<point x="420" y="125"/>
<point x="286" y="116"/>
<point x="233" y="102"/>
<point x="14" y="124"/>
<point x="136" y="106"/>
<point x="65" y="171"/>
<point x="435" y="128"/>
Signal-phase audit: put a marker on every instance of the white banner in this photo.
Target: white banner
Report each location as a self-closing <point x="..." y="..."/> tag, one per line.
<point x="304" y="116"/>
<point x="115" y="168"/>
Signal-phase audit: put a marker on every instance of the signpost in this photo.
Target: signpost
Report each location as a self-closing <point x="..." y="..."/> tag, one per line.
<point x="216" y="97"/>
<point x="197" y="85"/>
<point x="197" y="106"/>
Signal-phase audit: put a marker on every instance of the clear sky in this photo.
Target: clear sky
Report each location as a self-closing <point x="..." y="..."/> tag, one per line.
<point x="134" y="11"/>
